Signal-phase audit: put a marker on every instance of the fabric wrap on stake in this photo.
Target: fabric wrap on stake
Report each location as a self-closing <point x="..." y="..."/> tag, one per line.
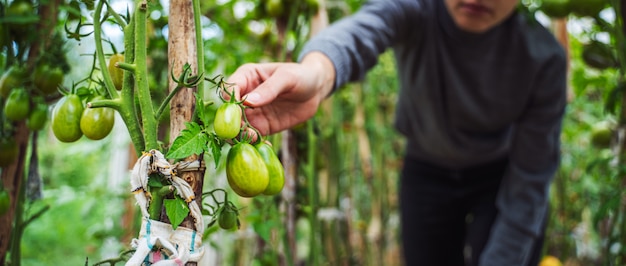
<point x="174" y="247"/>
<point x="161" y="235"/>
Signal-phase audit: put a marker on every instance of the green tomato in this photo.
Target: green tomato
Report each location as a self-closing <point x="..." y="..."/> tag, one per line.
<point x="17" y="106"/>
<point x="8" y="151"/>
<point x="66" y="118"/>
<point x="37" y="118"/>
<point x="274" y="8"/>
<point x="227" y="123"/>
<point x="47" y="79"/>
<point x="117" y="74"/>
<point x="274" y="168"/>
<point x="227" y="219"/>
<point x="245" y="170"/>
<point x="5" y="202"/>
<point x="97" y="123"/>
<point x="587" y="7"/>
<point x="556" y="8"/>
<point x="10" y="79"/>
<point x="599" y="55"/>
<point x="16" y="11"/>
<point x="601" y="134"/>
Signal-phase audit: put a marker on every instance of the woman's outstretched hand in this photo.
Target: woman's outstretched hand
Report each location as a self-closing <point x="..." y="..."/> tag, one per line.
<point x="282" y="95"/>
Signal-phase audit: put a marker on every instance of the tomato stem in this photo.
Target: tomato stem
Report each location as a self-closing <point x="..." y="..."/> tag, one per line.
<point x="126" y="66"/>
<point x="115" y="104"/>
<point x="126" y="107"/>
<point x="141" y="77"/>
<point x="166" y="102"/>
<point x="199" y="47"/>
<point x="115" y="15"/>
<point x="97" y="28"/>
<point x="158" y="195"/>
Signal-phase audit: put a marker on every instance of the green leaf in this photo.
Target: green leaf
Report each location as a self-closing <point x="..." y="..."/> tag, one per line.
<point x="176" y="210"/>
<point x="192" y="140"/>
<point x="215" y="145"/>
<point x="203" y="110"/>
<point x="155" y="181"/>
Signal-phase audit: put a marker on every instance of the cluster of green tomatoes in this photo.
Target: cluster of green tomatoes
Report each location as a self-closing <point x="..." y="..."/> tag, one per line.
<point x="23" y="98"/>
<point x="72" y="118"/>
<point x="251" y="169"/>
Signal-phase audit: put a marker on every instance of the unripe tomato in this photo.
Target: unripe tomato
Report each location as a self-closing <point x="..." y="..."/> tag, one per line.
<point x="601" y="134"/>
<point x="556" y="8"/>
<point x="47" y="79"/>
<point x="5" y="201"/>
<point x="97" y="123"/>
<point x="274" y="168"/>
<point x="37" y="118"/>
<point x="227" y="123"/>
<point x="66" y="118"/>
<point x="587" y="7"/>
<point x="17" y="106"/>
<point x="274" y="8"/>
<point x="10" y="79"/>
<point x="599" y="55"/>
<point x="8" y="151"/>
<point x="20" y="9"/>
<point x="117" y="74"/>
<point x="245" y="170"/>
<point x="227" y="219"/>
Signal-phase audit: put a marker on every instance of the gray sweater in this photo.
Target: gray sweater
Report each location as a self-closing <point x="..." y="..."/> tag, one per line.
<point x="467" y="99"/>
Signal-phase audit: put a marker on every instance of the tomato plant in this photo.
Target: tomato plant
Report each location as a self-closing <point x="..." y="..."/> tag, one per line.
<point x="274" y="168"/>
<point x="66" y="118"/>
<point x="17" y="106"/>
<point x="97" y="123"/>
<point x="227" y="123"/>
<point x="245" y="170"/>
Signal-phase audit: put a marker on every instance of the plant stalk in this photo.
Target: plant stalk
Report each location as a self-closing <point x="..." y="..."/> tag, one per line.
<point x="141" y="77"/>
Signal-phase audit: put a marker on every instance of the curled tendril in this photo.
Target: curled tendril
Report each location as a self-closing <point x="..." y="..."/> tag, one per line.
<point x="76" y="35"/>
<point x="186" y="79"/>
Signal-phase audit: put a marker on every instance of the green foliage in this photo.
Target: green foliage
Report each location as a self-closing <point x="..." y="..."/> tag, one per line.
<point x="192" y="140"/>
<point x="176" y="210"/>
<point x="85" y="207"/>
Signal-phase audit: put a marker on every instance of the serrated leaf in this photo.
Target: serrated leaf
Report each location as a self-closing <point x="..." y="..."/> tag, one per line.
<point x="215" y="145"/>
<point x="176" y="210"/>
<point x="192" y="140"/>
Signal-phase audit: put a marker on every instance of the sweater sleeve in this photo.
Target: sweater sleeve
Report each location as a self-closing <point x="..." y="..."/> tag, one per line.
<point x="354" y="43"/>
<point x="524" y="193"/>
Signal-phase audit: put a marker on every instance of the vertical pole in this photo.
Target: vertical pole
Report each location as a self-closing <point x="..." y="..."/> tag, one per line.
<point x="182" y="49"/>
